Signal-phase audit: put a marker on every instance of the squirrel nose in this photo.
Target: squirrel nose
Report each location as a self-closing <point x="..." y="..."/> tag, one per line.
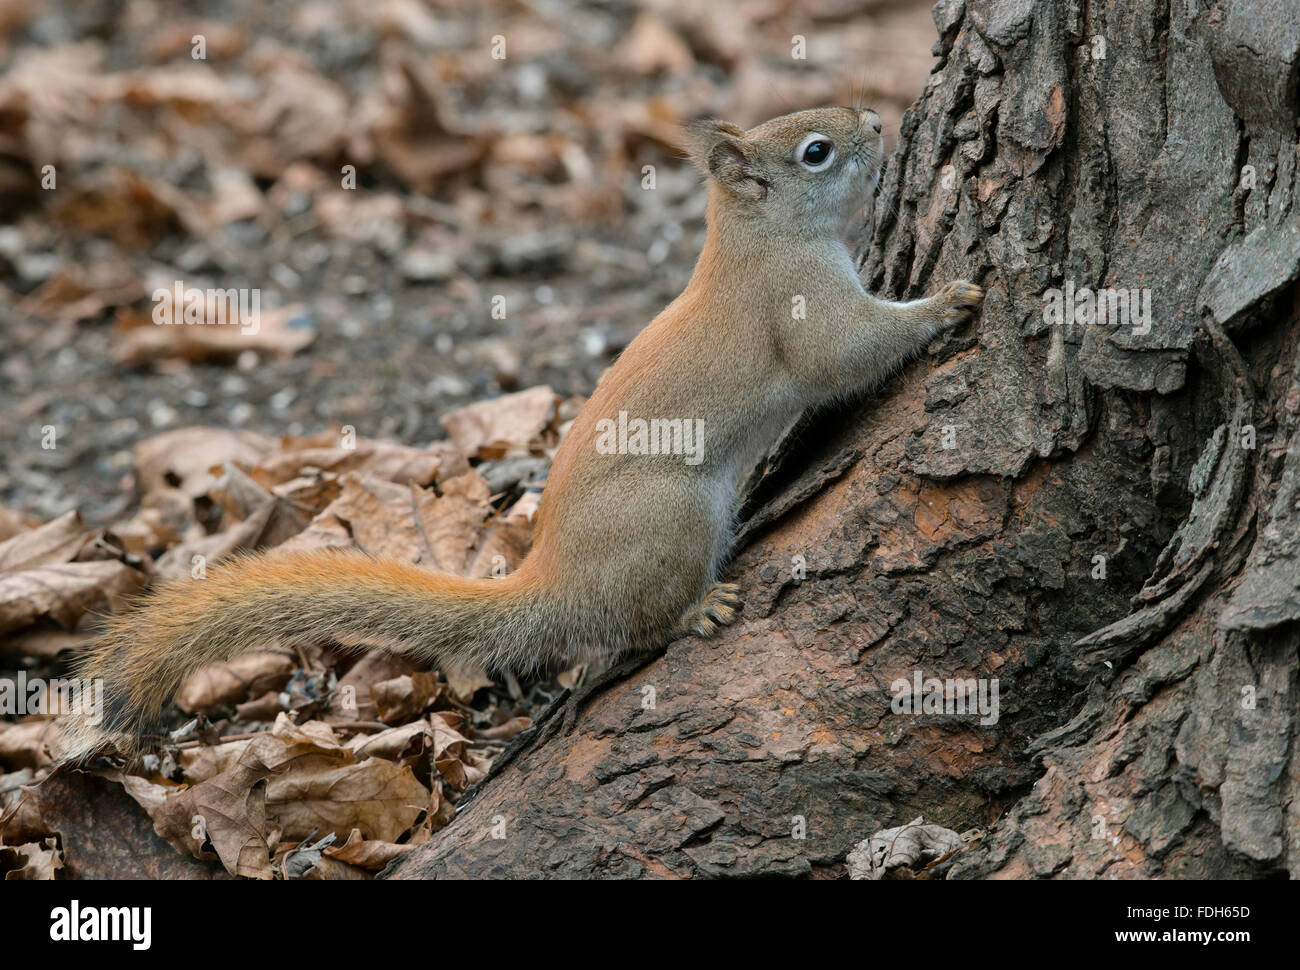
<point x="872" y="119"/>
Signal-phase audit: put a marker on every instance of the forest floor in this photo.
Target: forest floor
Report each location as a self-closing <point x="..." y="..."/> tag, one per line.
<point x="475" y="178"/>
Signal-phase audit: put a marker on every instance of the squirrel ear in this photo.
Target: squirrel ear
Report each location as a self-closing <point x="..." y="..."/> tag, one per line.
<point x="699" y="137"/>
<point x="720" y="150"/>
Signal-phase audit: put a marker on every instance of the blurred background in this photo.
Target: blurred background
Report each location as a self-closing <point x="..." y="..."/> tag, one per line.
<point x="380" y="170"/>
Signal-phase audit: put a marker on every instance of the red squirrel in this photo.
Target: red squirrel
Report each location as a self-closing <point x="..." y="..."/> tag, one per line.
<point x="628" y="545"/>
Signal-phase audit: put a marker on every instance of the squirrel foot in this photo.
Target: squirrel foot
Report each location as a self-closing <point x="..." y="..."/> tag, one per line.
<point x="716" y="608"/>
<point x="961" y="301"/>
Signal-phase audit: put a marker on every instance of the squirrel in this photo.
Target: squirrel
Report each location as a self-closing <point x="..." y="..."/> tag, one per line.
<point x="629" y="538"/>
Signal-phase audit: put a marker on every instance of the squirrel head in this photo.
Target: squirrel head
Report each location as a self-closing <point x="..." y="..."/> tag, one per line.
<point x="810" y="169"/>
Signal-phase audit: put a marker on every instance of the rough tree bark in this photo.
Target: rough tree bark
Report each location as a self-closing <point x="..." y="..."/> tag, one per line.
<point x="959" y="523"/>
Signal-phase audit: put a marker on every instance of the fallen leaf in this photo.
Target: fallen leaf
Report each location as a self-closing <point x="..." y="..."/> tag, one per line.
<point x="220" y="327"/>
<point x="57" y="541"/>
<point x="402" y="522"/>
<point x="270" y="525"/>
<point x="337" y="454"/>
<point x="224" y="683"/>
<point x="120" y="204"/>
<point x="513" y="424"/>
<point x="652" y="46"/>
<point x="66" y="592"/>
<point x="28" y="744"/>
<point x="402" y="743"/>
<point x="415" y="132"/>
<point x="404" y="697"/>
<point x="464" y="682"/>
<point x="265" y="708"/>
<point x="35" y="860"/>
<point x="209" y="760"/>
<point x="13" y="522"/>
<point x="309" y="861"/>
<point x="102" y="831"/>
<point x="353" y="700"/>
<point x="165" y="518"/>
<point x="369" y="854"/>
<point x="453" y="758"/>
<point x="228" y="810"/>
<point x="907" y="847"/>
<point x="45" y="644"/>
<point x="376" y="796"/>
<point x="186" y="458"/>
<point x="505" y="731"/>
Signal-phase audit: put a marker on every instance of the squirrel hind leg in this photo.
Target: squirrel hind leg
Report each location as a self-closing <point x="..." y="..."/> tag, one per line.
<point x="715" y="609"/>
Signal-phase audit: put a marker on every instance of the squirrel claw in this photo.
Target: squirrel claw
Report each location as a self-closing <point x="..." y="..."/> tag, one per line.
<point x="716" y="609"/>
<point x="963" y="300"/>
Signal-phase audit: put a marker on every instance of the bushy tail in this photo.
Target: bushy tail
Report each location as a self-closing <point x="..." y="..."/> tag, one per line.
<point x="251" y="602"/>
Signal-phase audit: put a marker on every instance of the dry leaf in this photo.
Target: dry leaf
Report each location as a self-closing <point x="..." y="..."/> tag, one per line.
<point x="13" y="522"/>
<point x="217" y="328"/>
<point x="311" y="493"/>
<point x="125" y="206"/>
<point x="448" y="742"/>
<point x="506" y="730"/>
<point x="309" y="861"/>
<point x="403" y="743"/>
<point x="229" y="810"/>
<point x="165" y="518"/>
<point x="235" y="196"/>
<point x="45" y="644"/>
<point x="28" y="744"/>
<point x="369" y="854"/>
<point x="513" y="424"/>
<point x="417" y="134"/>
<point x="318" y="786"/>
<point x="66" y="592"/>
<point x="382" y="460"/>
<point x="80" y="292"/>
<point x="100" y="828"/>
<point x="57" y="541"/>
<point x="234" y="680"/>
<point x="504" y="544"/>
<point x="299" y="114"/>
<point x="403" y="522"/>
<point x="207" y="761"/>
<point x="35" y="860"/>
<point x="652" y="46"/>
<point x="380" y="798"/>
<point x="270" y="525"/>
<point x="455" y="762"/>
<point x="405" y="697"/>
<point x="464" y="682"/>
<point x="352" y="701"/>
<point x="908" y="846"/>
<point x="265" y="708"/>
<point x="186" y="458"/>
<point x="237" y="495"/>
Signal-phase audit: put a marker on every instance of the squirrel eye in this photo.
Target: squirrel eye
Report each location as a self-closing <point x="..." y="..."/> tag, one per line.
<point x="815" y="151"/>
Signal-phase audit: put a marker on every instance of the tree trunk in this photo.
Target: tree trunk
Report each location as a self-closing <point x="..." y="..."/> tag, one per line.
<point x="1102" y="515"/>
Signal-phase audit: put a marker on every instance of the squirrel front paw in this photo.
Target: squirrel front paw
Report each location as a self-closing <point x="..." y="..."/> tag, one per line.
<point x="961" y="301"/>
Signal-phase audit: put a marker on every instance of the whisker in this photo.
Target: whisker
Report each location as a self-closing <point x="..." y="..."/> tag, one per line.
<point x="862" y="89"/>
